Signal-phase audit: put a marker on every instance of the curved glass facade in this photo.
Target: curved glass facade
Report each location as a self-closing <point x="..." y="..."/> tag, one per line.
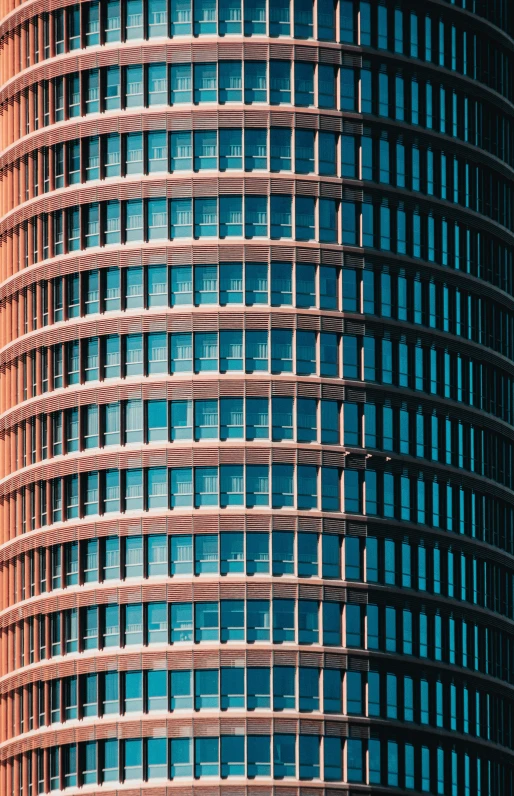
<point x="257" y="397"/>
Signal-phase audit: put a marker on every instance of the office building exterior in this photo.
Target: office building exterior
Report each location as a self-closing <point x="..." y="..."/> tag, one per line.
<point x="256" y="397"/>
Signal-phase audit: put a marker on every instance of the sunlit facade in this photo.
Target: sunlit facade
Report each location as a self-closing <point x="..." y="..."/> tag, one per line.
<point x="256" y="397"/>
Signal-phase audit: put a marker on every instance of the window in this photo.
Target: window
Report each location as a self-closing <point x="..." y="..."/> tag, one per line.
<point x="205" y="82"/>
<point x="255" y="81"/>
<point x="156" y="760"/>
<point x="232" y="553"/>
<point x="232" y="688"/>
<point x="206" y="689"/>
<point x="133" y="624"/>
<point x="280" y="149"/>
<point x="157" y="623"/>
<point x="284" y="756"/>
<point x="280" y="82"/>
<point x="181" y="18"/>
<point x="230" y="81"/>
<point x="181" y="151"/>
<point x="206" y="622"/>
<point x="157" y="84"/>
<point x="229" y="15"/>
<point x="304" y="84"/>
<point x="133" y="691"/>
<point x="133" y="768"/>
<point x="181" y="690"/>
<point x="206" y="757"/>
<point x="230" y="148"/>
<point x="181" y="757"/>
<point x="181" y="81"/>
<point x="255" y="149"/>
<point x="112" y="99"/>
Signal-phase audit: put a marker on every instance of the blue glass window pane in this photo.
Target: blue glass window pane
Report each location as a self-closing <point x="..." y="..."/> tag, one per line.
<point x="232" y="552"/>
<point x="181" y="151"/>
<point x="181" y="555"/>
<point x="280" y="82"/>
<point x="206" y="688"/>
<point x="305" y="279"/>
<point x="231" y="216"/>
<point x="231" y="149"/>
<point x="181" y="17"/>
<point x="181" y="622"/>
<point x="156" y="758"/>
<point x="284" y="688"/>
<point x="258" y="687"/>
<point x="332" y="624"/>
<point x="206" y="757"/>
<point x="181" y="81"/>
<point x="134" y="96"/>
<point x="281" y="216"/>
<point x="181" y="353"/>
<point x="157" y="219"/>
<point x="231" y="279"/>
<point x="305" y="353"/>
<point x="204" y="15"/>
<point x="232" y="620"/>
<point x="256" y="216"/>
<point x="157" y="84"/>
<point x="326" y="86"/>
<point x="181" y="690"/>
<point x="232" y="485"/>
<point x="308" y="622"/>
<point x="280" y="149"/>
<point x="206" y="554"/>
<point x="133" y="624"/>
<point x="206" y="217"/>
<point x="205" y="149"/>
<point x="258" y="620"/>
<point x="284" y="756"/>
<point x="327" y="154"/>
<point x="256" y="284"/>
<point x="283" y="621"/>
<point x="231" y="81"/>
<point x="333" y="760"/>
<point x="181" y="285"/>
<point x="257" y="485"/>
<point x="206" y="622"/>
<point x="256" y="351"/>
<point x="157" y="18"/>
<point x="232" y="756"/>
<point x="304" y="218"/>
<point x="229" y="16"/>
<point x="308" y="754"/>
<point x="281" y="351"/>
<point x="304" y="151"/>
<point x="303" y="19"/>
<point x="304" y="84"/>
<point x="205" y="82"/>
<point x="181" y="487"/>
<point x="280" y="24"/>
<point x="258" y="756"/>
<point x="255" y="149"/>
<point x="254" y="17"/>
<point x="328" y="220"/>
<point x="348" y="93"/>
<point x="255" y="81"/>
<point x="283" y="487"/>
<point x="181" y="757"/>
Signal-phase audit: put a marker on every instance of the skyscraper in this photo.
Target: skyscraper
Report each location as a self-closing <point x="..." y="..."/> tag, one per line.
<point x="257" y="397"/>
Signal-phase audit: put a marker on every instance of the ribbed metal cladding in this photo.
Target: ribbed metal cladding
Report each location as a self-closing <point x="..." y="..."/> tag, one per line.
<point x="256" y="397"/>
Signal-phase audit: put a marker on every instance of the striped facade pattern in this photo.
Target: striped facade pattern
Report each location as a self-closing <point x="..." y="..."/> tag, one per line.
<point x="434" y="532"/>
